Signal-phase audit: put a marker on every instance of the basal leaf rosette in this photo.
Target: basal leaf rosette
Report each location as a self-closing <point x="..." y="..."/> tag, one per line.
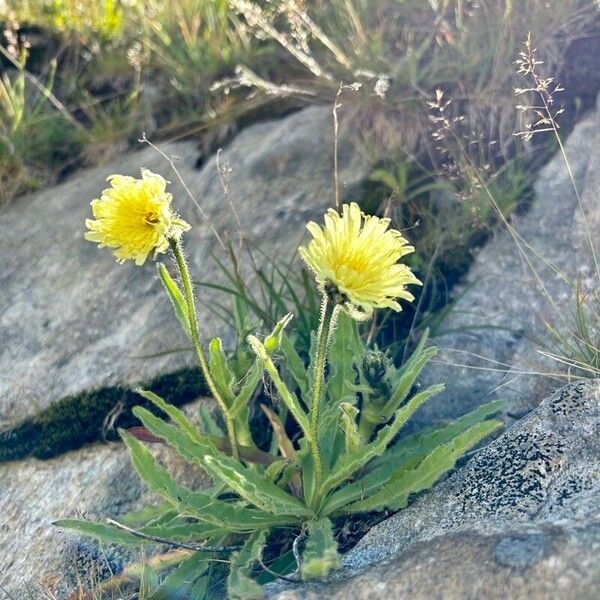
<point x="358" y="255"/>
<point x="134" y="217"/>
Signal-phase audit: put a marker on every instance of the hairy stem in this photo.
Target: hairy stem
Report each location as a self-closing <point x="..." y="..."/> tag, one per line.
<point x="326" y="325"/>
<point x="195" y="335"/>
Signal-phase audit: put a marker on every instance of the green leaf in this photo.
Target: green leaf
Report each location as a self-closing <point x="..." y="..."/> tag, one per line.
<point x="272" y="342"/>
<point x="289" y="398"/>
<point x="179" y="304"/>
<point x="149" y="514"/>
<point x="208" y="422"/>
<point x="204" y="507"/>
<point x="385" y="177"/>
<point x="219" y="369"/>
<point x="295" y="365"/>
<point x="184" y="581"/>
<point x="348" y="464"/>
<point x="417" y="445"/>
<point x="304" y="458"/>
<point x="148" y="581"/>
<point x="250" y="485"/>
<point x="345" y="350"/>
<point x="395" y="494"/>
<point x="353" y="439"/>
<point x="176" y="415"/>
<point x="247" y="389"/>
<point x="102" y="532"/>
<point x="320" y="554"/>
<point x="183" y="530"/>
<point x="240" y="586"/>
<point x="407" y="376"/>
<point x="406" y="454"/>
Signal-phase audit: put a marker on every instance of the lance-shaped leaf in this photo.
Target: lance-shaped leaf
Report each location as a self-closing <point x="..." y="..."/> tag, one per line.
<point x="175" y="414"/>
<point x="320" y="554"/>
<point x="177" y="299"/>
<point x="179" y="532"/>
<point x="207" y="422"/>
<point x="407" y="375"/>
<point x="414" y="447"/>
<point x="346" y="348"/>
<point x="250" y="485"/>
<point x="205" y="507"/>
<point x="272" y="342"/>
<point x="353" y="439"/>
<point x="247" y="389"/>
<point x="102" y="532"/>
<point x="349" y="464"/>
<point x="240" y="586"/>
<point x="295" y="366"/>
<point x="289" y="398"/>
<point x="404" y="455"/>
<point x="395" y="494"/>
<point x="220" y="371"/>
<point x="188" y="580"/>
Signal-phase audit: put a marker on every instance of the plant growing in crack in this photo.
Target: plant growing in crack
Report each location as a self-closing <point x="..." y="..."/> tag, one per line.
<point x="279" y="512"/>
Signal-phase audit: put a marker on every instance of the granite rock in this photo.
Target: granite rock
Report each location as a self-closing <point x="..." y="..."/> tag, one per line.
<point x="71" y="319"/>
<point x="491" y="342"/>
<point x="519" y="520"/>
<point x="39" y="560"/>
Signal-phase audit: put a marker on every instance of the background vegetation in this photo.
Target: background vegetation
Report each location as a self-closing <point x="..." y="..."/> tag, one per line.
<point x="82" y="79"/>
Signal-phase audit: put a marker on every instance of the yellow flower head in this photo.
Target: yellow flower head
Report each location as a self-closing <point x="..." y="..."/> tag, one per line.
<point x="134" y="217"/>
<point x="358" y="255"/>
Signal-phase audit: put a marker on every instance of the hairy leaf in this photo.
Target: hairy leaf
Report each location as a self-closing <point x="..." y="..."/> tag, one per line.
<point x="417" y="445"/>
<point x="177" y="416"/>
<point x="220" y="371"/>
<point x="288" y="397"/>
<point x="102" y="532"/>
<point x="188" y="581"/>
<point x="295" y="365"/>
<point x="250" y="485"/>
<point x="395" y="494"/>
<point x="320" y="554"/>
<point x="353" y="439"/>
<point x="346" y="348"/>
<point x="204" y="507"/>
<point x="247" y="389"/>
<point x="240" y="586"/>
<point x="406" y="377"/>
<point x="179" y="304"/>
<point x="404" y="455"/>
<point x="349" y="464"/>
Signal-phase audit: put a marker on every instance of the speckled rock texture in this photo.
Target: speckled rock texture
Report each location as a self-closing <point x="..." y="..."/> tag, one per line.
<point x="520" y="520"/>
<point x="491" y="345"/>
<point x="71" y="319"/>
<point x="38" y="560"/>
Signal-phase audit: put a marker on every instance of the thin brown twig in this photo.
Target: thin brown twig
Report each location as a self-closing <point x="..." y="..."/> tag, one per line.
<point x="336" y="129"/>
<point x="171" y="161"/>
<point x="161" y="540"/>
<point x="277" y="575"/>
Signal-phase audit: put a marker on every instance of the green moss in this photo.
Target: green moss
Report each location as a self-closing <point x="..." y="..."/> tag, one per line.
<point x="83" y="418"/>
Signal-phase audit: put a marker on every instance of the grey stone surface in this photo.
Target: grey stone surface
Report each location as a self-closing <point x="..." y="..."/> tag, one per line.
<point x="491" y="345"/>
<point x="72" y="319"/>
<point x="464" y="566"/>
<point x="520" y="520"/>
<point x="38" y="560"/>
